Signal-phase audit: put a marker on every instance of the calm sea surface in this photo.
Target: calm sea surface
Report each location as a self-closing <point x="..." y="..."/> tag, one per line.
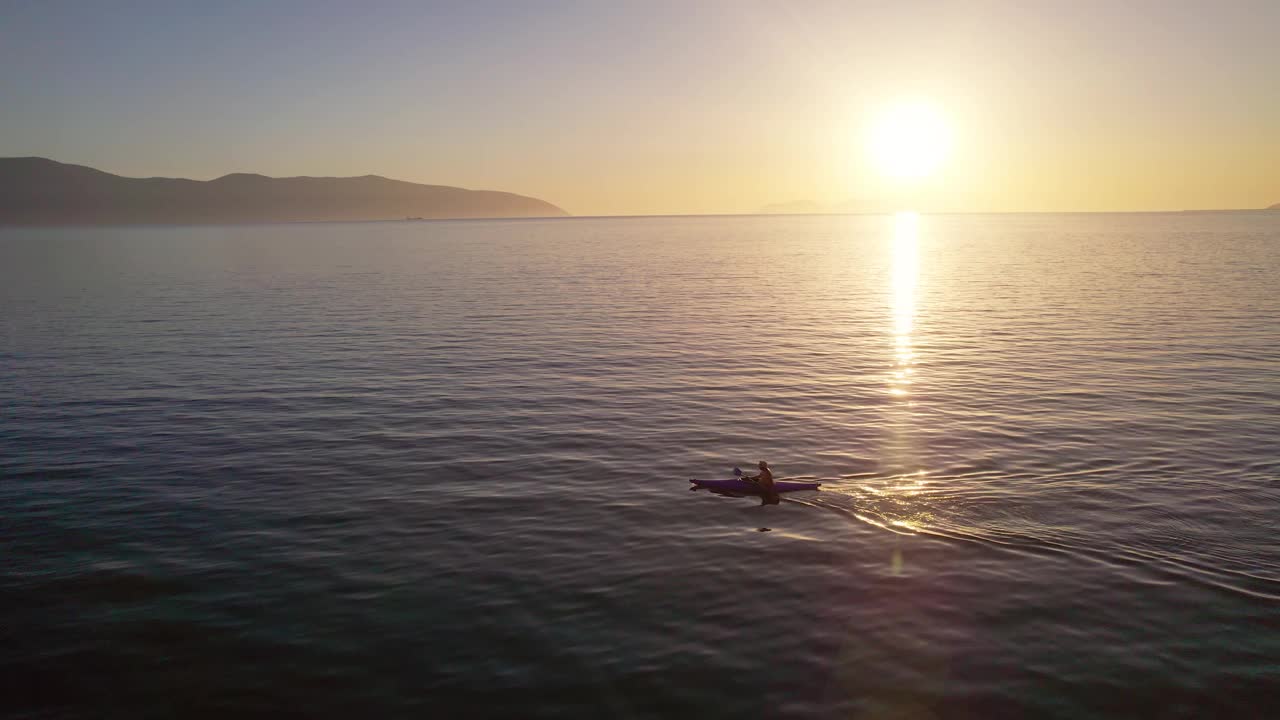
<point x="436" y="468"/>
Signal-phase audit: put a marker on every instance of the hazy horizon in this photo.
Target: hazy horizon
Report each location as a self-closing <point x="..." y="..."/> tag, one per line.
<point x="666" y="108"/>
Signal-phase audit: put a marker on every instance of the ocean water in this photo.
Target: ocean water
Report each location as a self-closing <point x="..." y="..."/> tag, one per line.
<point x="441" y="469"/>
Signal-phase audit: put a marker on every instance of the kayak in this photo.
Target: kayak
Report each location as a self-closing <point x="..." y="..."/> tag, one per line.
<point x="746" y="486"/>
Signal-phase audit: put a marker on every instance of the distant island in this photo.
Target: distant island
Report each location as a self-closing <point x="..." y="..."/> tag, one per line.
<point x="38" y="191"/>
<point x="798" y="207"/>
<point x="808" y="207"/>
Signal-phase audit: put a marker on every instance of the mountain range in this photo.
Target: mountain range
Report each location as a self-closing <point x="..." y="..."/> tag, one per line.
<point x="39" y="191"/>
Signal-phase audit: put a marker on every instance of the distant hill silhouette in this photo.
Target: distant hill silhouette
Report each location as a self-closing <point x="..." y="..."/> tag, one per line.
<point x="37" y="191"/>
<point x="801" y="207"/>
<point x="1274" y="207"/>
<point x="808" y="207"/>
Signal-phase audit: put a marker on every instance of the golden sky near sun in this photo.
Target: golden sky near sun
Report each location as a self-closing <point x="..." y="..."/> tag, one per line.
<point x="665" y="107"/>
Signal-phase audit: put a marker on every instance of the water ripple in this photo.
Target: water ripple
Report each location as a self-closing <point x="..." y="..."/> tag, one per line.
<point x="386" y="468"/>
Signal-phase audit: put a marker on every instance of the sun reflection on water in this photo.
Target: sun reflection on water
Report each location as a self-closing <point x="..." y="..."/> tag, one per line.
<point x="906" y="235"/>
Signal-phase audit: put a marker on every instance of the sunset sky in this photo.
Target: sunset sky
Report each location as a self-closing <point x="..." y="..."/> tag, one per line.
<point x="653" y="107"/>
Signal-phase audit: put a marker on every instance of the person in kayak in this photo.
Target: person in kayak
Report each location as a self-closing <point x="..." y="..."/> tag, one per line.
<point x="764" y="478"/>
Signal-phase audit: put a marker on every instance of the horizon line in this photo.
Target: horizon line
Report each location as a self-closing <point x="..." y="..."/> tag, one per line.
<point x="570" y="215"/>
<point x="561" y="218"/>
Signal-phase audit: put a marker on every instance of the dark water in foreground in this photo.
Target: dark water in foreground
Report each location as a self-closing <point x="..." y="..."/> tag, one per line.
<point x="389" y="470"/>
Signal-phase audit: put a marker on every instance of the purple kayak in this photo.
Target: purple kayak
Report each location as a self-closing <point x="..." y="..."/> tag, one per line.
<point x="746" y="486"/>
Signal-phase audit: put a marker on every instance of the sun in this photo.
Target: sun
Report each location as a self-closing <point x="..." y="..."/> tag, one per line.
<point x="909" y="140"/>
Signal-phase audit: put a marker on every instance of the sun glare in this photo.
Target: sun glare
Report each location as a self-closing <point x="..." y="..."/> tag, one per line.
<point x="908" y="141"/>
